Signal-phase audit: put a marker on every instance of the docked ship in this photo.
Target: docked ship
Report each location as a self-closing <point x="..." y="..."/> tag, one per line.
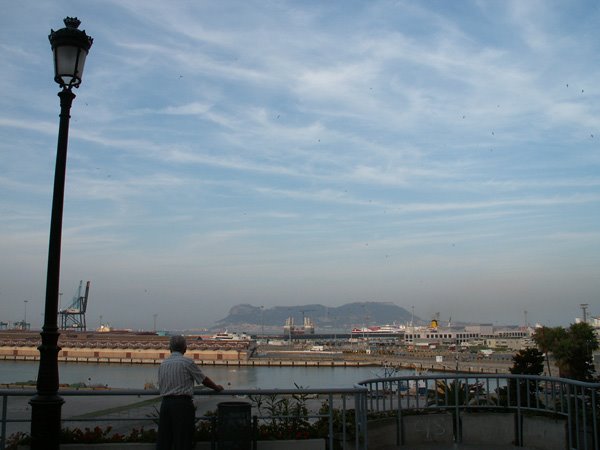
<point x="290" y="329"/>
<point x="394" y="330"/>
<point x="227" y="336"/>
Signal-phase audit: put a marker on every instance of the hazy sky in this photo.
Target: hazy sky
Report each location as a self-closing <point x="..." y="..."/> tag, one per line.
<point x="442" y="154"/>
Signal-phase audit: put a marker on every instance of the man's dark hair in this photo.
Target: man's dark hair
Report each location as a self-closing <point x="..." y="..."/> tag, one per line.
<point x="177" y="343"/>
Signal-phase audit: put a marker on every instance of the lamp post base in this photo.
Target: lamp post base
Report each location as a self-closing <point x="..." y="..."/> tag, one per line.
<point x="45" y="420"/>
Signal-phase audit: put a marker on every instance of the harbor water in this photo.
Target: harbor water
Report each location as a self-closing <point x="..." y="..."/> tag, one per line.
<point x="136" y="376"/>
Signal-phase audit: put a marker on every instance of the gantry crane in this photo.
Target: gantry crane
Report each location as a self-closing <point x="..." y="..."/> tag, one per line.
<point x="73" y="317"/>
<point x="304" y="311"/>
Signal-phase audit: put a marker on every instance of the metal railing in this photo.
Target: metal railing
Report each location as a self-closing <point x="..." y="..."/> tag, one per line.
<point x="341" y="413"/>
<point x="574" y="402"/>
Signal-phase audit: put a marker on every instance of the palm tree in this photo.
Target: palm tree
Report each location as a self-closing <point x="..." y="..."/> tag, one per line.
<point x="457" y="393"/>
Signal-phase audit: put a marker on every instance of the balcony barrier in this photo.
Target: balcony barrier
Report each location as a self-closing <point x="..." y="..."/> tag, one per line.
<point x="338" y="416"/>
<point x="514" y="408"/>
<point x="518" y="401"/>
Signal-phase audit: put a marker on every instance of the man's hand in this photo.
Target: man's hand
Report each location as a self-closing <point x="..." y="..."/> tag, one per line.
<point x="211" y="384"/>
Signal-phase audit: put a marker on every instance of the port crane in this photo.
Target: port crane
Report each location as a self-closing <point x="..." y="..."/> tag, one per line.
<point x="304" y="311"/>
<point x="73" y="317"/>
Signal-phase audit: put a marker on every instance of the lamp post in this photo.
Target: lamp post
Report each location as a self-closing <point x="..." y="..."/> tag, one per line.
<point x="70" y="47"/>
<point x="262" y="321"/>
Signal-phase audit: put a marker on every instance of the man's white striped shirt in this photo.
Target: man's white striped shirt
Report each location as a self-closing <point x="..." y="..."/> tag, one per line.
<point x="177" y="375"/>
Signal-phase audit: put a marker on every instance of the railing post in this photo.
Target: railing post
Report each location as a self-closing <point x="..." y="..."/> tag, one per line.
<point x="344" y="421"/>
<point x="576" y="416"/>
<point x="330" y="399"/>
<point x="399" y="416"/>
<point x="457" y="410"/>
<point x="519" y="413"/>
<point x="594" y="419"/>
<point x="4" y="409"/>
<point x="528" y="393"/>
<point x="357" y="418"/>
<point x="584" y="417"/>
<point x="365" y="427"/>
<point x="254" y="431"/>
<point x="213" y="427"/>
<point x="569" y="418"/>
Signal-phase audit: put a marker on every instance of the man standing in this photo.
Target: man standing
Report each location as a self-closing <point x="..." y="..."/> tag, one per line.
<point x="176" y="378"/>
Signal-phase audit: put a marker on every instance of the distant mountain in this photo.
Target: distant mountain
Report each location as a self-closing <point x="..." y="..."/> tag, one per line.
<point x="350" y="315"/>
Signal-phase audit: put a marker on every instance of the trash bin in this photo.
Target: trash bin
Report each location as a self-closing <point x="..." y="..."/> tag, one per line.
<point x="234" y="426"/>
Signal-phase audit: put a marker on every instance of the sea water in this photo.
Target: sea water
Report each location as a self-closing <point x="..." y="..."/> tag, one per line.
<point x="136" y="376"/>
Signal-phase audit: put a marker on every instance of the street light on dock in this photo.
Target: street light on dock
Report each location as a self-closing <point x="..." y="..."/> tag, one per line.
<point x="70" y="47"/>
<point x="25" y="316"/>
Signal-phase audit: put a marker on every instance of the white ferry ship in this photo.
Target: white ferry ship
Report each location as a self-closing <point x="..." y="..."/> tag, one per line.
<point x="379" y="331"/>
<point x="227" y="336"/>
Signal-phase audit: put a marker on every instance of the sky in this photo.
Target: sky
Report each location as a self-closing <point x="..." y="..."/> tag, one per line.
<point x="437" y="155"/>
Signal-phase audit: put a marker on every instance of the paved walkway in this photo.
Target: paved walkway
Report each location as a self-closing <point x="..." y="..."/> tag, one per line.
<point x="454" y="447"/>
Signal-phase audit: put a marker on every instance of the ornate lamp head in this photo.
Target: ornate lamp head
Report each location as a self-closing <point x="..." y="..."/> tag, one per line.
<point x="70" y="47"/>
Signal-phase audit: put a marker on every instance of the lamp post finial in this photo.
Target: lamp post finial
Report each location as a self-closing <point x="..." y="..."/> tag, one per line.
<point x="72" y="22"/>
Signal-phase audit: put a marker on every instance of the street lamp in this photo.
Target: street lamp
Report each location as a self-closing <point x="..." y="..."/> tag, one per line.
<point x="25" y="315"/>
<point x="262" y="321"/>
<point x="70" y="47"/>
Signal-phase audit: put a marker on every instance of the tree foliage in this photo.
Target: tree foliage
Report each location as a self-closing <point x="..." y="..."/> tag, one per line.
<point x="572" y="349"/>
<point x="546" y="339"/>
<point x="528" y="362"/>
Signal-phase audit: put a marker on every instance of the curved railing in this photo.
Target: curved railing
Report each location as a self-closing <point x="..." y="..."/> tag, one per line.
<point x="340" y="411"/>
<point x="574" y="402"/>
<point x="572" y="406"/>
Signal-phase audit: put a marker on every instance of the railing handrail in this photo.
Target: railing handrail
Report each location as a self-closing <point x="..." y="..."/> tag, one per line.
<point x="16" y="392"/>
<point x="584" y="384"/>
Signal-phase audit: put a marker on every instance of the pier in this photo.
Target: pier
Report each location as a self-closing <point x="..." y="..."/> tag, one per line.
<point x="102" y="348"/>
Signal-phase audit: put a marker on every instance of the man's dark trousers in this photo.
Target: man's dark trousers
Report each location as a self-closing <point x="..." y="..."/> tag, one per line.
<point x="176" y="423"/>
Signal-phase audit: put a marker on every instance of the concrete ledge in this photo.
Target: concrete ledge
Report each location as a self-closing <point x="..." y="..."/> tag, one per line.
<point x="427" y="428"/>
<point x="382" y="433"/>
<point x="303" y="444"/>
<point x="544" y="433"/>
<point x="488" y="428"/>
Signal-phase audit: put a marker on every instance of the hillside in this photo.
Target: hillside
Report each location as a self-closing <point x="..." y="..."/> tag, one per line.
<point x="343" y="317"/>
